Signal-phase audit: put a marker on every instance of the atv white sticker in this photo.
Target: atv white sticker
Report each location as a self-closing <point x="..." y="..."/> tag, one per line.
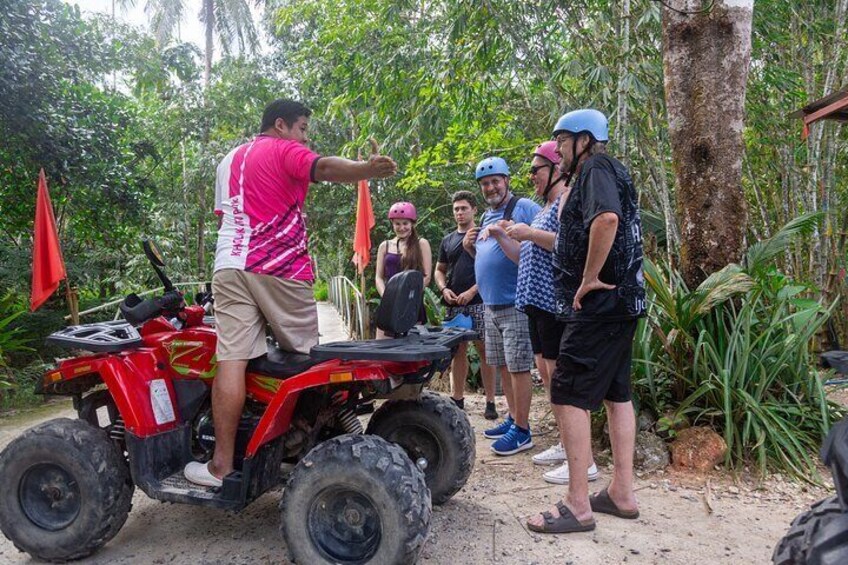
<point x="163" y="408"/>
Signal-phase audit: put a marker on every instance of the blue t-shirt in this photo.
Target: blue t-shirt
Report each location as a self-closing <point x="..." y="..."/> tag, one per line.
<point x="535" y="270"/>
<point x="495" y="272"/>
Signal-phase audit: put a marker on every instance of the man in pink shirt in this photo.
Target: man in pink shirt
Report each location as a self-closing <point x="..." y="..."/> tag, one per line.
<point x="263" y="272"/>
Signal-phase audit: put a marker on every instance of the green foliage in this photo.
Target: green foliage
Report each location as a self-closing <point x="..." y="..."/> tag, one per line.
<point x="735" y="354"/>
<point x="321" y="291"/>
<point x="19" y="391"/>
<point x="434" y="307"/>
<point x="12" y="339"/>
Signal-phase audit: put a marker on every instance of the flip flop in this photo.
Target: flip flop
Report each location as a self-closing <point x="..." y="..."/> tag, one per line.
<point x="565" y="523"/>
<point x="603" y="504"/>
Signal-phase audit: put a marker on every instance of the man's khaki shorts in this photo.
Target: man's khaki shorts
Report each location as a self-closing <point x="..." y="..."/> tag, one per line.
<point x="245" y="302"/>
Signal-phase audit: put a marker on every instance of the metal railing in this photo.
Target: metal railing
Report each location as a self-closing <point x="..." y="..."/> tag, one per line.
<point x="351" y="306"/>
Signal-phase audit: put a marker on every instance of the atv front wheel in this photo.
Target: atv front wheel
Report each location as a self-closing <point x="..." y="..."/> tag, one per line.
<point x="817" y="536"/>
<point x="65" y="490"/>
<point x="434" y="429"/>
<point x="355" y="499"/>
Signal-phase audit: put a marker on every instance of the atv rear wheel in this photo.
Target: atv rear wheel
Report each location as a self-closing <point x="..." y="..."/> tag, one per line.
<point x="435" y="429"/>
<point x="811" y="540"/>
<point x="355" y="499"/>
<point x="65" y="490"/>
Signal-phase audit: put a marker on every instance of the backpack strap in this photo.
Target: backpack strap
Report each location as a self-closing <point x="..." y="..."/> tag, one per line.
<point x="510" y="206"/>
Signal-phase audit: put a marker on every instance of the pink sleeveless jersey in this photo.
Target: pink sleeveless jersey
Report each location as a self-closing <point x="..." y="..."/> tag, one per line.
<point x="259" y="192"/>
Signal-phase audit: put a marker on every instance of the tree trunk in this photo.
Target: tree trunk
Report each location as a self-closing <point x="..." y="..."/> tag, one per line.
<point x="705" y="59"/>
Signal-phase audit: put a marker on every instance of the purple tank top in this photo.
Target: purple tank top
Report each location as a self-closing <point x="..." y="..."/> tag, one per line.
<point x="391" y="267"/>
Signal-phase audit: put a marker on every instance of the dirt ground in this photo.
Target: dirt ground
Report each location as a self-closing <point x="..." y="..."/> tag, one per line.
<point x="483" y="523"/>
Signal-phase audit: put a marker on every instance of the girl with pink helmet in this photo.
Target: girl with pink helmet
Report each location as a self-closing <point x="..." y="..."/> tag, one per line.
<point x="403" y="252"/>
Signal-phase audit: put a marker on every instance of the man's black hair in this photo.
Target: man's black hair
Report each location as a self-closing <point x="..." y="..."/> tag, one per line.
<point x="288" y="110"/>
<point x="464" y="195"/>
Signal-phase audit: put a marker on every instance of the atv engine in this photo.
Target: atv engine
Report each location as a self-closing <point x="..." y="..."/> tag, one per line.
<point x="204" y="434"/>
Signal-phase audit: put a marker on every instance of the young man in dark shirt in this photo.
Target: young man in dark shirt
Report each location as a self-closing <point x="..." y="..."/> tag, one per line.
<point x="597" y="259"/>
<point x="456" y="281"/>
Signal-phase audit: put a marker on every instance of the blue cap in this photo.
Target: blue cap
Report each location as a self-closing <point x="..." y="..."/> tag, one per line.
<point x="491" y="166"/>
<point x="587" y="120"/>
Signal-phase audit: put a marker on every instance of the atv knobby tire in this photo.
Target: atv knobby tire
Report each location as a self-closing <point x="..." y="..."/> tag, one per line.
<point x="436" y="429"/>
<point x="65" y="490"/>
<point x="809" y="535"/>
<point x="355" y="499"/>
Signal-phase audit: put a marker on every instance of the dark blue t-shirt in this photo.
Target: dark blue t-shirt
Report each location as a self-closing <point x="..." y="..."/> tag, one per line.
<point x="603" y="185"/>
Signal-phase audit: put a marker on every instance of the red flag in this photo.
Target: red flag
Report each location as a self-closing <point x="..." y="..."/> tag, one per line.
<point x="364" y="224"/>
<point x="48" y="267"/>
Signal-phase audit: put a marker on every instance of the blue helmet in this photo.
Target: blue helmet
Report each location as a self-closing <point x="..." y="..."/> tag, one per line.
<point x="588" y="120"/>
<point x="491" y="166"/>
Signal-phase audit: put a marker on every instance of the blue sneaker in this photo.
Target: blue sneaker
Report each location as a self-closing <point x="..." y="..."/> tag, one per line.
<point x="501" y="429"/>
<point x="513" y="442"/>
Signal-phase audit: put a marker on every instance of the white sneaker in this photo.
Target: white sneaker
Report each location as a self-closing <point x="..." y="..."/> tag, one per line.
<point x="199" y="474"/>
<point x="553" y="455"/>
<point x="559" y="476"/>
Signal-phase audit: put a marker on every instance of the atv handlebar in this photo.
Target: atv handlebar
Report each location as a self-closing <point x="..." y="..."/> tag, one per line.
<point x="137" y="311"/>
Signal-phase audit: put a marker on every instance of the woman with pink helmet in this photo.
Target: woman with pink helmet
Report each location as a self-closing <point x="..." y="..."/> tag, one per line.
<point x="534" y="294"/>
<point x="403" y="252"/>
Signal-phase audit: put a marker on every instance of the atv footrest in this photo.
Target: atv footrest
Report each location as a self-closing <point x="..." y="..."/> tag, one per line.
<point x="422" y="344"/>
<point x="176" y="488"/>
<point x="178" y="484"/>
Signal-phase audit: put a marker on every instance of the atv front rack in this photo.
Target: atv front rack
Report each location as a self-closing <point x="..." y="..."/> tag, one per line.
<point x="421" y="344"/>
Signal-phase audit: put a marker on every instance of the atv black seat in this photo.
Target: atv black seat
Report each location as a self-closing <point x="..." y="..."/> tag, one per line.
<point x="401" y="303"/>
<point x="281" y="364"/>
<point x="422" y="344"/>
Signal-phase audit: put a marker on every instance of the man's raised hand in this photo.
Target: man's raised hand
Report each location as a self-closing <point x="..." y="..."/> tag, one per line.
<point x="470" y="240"/>
<point x="381" y="166"/>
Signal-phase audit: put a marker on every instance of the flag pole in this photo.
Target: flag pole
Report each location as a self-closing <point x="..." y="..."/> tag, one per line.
<point x="73" y="305"/>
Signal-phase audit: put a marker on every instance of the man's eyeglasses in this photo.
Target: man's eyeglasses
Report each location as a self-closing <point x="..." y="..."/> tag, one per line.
<point x="537" y="168"/>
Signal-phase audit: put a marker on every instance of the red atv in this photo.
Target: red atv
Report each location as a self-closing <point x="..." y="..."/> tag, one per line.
<point x="143" y="400"/>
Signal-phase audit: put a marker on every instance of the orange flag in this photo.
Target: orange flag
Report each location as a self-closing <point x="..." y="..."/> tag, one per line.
<point x="364" y="224"/>
<point x="48" y="267"/>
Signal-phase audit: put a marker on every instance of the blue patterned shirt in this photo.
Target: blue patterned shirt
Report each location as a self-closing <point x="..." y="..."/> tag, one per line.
<point x="535" y="270"/>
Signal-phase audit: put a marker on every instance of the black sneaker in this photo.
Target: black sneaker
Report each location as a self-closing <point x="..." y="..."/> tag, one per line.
<point x="490" y="413"/>
<point x="459" y="403"/>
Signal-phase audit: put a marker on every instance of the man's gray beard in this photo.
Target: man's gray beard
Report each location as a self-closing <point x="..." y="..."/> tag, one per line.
<point x="495" y="201"/>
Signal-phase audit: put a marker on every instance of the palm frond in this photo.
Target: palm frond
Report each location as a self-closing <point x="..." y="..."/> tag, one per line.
<point x="165" y="17"/>
<point x="760" y="254"/>
<point x="720" y="287"/>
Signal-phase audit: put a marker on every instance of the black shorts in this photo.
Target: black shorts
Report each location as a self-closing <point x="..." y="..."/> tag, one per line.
<point x="545" y="332"/>
<point x="594" y="364"/>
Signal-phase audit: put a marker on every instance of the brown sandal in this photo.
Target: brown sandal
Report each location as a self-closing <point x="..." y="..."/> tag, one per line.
<point x="603" y="504"/>
<point x="565" y="523"/>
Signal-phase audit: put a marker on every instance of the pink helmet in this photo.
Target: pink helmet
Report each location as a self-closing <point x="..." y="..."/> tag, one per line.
<point x="403" y="211"/>
<point x="547" y="150"/>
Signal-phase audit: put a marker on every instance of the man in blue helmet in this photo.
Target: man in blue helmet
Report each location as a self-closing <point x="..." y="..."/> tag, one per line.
<point x="507" y="335"/>
<point x="597" y="261"/>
